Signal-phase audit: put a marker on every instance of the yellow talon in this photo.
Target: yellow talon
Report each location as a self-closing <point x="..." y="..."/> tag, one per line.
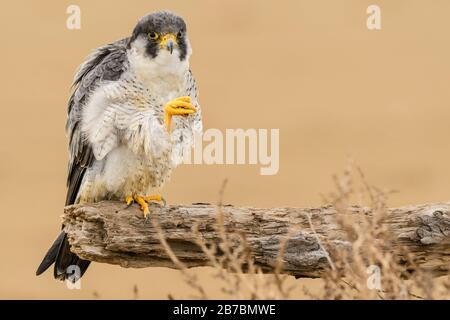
<point x="153" y="198"/>
<point x="177" y="107"/>
<point x="143" y="202"/>
<point x="129" y="200"/>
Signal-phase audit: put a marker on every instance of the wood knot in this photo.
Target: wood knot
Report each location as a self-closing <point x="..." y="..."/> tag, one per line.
<point x="433" y="224"/>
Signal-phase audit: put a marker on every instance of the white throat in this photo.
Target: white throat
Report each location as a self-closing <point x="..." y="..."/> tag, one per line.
<point x="163" y="74"/>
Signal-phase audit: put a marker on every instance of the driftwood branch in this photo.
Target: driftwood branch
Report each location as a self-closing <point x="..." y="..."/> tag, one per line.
<point x="107" y="232"/>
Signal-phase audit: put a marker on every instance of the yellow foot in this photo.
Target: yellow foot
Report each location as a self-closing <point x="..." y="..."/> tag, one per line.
<point x="177" y="107"/>
<point x="143" y="202"/>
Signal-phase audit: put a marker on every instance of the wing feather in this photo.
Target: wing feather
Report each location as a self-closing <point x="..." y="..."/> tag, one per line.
<point x="105" y="63"/>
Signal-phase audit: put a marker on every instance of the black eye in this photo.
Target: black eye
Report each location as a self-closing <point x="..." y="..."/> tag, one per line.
<point x="180" y="33"/>
<point x="152" y="35"/>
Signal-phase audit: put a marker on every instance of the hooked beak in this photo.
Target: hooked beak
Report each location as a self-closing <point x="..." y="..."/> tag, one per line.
<point x="168" y="41"/>
<point x="170" y="46"/>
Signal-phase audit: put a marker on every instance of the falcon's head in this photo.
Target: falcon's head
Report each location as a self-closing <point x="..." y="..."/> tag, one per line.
<point x="161" y="36"/>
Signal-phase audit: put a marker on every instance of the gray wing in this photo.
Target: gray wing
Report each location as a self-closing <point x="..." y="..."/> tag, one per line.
<point x="105" y="63"/>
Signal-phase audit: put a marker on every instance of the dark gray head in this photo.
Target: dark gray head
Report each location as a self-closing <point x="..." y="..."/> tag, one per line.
<point x="161" y="31"/>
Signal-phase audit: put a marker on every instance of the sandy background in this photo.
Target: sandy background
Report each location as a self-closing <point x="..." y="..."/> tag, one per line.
<point x="309" y="68"/>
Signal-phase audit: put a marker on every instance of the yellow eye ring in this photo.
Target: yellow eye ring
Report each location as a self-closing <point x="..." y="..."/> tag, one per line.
<point x="152" y="35"/>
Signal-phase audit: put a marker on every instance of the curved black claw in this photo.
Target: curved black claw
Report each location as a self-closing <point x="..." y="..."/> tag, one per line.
<point x="127" y="205"/>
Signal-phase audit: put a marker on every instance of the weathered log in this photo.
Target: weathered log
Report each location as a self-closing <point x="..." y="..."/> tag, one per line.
<point x="108" y="232"/>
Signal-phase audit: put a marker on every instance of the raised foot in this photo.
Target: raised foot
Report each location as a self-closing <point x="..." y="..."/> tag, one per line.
<point x="143" y="202"/>
<point x="181" y="106"/>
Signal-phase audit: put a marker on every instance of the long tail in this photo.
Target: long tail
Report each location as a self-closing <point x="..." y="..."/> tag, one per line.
<point x="67" y="264"/>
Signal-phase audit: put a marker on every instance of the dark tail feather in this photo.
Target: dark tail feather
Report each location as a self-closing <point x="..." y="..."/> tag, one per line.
<point x="60" y="254"/>
<point x="51" y="254"/>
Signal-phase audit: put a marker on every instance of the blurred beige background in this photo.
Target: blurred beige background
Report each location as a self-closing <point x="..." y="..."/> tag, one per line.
<point x="309" y="68"/>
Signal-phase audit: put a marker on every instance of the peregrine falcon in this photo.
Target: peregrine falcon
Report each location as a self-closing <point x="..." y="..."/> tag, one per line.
<point x="132" y="115"/>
